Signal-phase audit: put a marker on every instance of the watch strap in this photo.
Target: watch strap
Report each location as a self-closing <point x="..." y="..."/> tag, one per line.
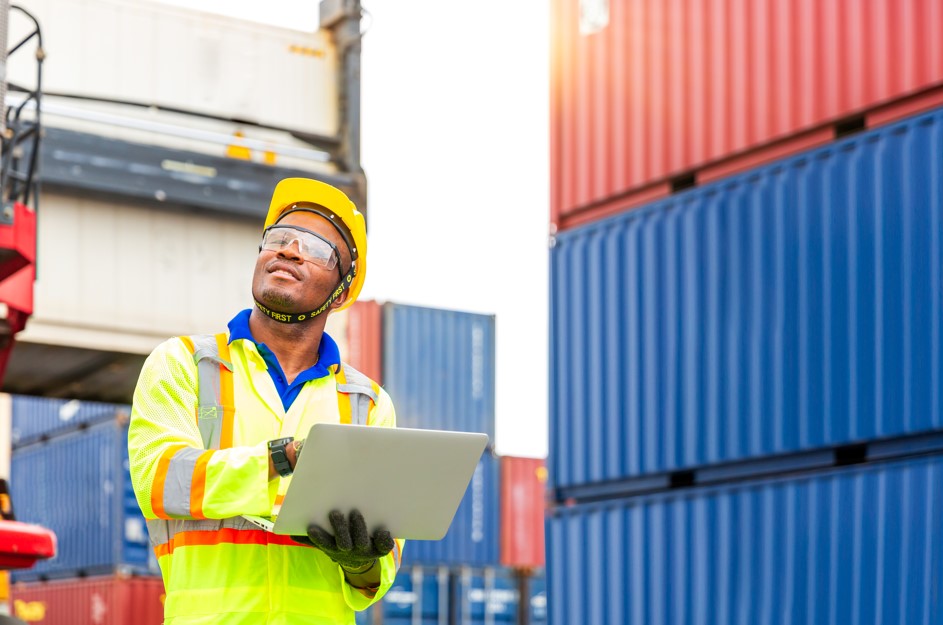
<point x="279" y="455"/>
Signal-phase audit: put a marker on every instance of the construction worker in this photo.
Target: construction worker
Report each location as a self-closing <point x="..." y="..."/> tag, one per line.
<point x="214" y="428"/>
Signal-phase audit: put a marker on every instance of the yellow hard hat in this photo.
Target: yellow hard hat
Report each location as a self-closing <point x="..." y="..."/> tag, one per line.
<point x="292" y="191"/>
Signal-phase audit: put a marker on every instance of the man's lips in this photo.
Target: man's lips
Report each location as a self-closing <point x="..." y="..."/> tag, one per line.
<point x="279" y="266"/>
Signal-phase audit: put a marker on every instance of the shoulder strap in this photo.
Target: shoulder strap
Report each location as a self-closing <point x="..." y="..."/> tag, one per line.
<point x="359" y="391"/>
<point x="215" y="388"/>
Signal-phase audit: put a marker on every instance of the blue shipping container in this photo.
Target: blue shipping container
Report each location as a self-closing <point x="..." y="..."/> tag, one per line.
<point x="473" y="538"/>
<point x="848" y="546"/>
<point x="419" y="595"/>
<point x="793" y="307"/>
<point x="488" y="596"/>
<point x="438" y="366"/>
<point x="78" y="485"/>
<point x="443" y="596"/>
<point x="34" y="418"/>
<point x="537" y="591"/>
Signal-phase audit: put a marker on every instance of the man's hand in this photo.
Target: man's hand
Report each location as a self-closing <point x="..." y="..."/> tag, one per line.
<point x="350" y="545"/>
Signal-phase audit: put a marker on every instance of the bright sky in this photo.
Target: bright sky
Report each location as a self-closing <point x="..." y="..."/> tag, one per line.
<point x="455" y="145"/>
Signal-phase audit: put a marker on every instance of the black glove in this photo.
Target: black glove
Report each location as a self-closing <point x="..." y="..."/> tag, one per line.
<point x="350" y="545"/>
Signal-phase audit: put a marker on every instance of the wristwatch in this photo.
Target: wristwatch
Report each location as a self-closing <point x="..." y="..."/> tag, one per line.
<point x="276" y="449"/>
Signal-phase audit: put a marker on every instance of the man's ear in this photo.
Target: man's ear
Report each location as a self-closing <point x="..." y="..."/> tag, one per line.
<point x="340" y="300"/>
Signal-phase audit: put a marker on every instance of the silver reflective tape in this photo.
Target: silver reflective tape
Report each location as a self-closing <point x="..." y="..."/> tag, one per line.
<point x="210" y="413"/>
<point x="358" y="389"/>
<point x="157" y="531"/>
<point x="359" y="409"/>
<point x="178" y="481"/>
<point x="164" y="531"/>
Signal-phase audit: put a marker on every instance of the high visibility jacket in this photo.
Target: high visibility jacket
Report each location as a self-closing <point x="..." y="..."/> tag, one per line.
<point x="218" y="567"/>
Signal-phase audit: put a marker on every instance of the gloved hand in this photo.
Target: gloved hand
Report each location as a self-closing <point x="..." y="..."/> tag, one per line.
<point x="350" y="545"/>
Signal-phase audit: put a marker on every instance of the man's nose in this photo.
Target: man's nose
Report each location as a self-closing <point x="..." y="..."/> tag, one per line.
<point x="292" y="251"/>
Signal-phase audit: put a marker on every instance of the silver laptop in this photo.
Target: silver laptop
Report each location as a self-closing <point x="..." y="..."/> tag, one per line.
<point x="406" y="480"/>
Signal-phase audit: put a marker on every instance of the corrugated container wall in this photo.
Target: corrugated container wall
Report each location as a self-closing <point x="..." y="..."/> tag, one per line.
<point x="438" y="366"/>
<point x="523" y="497"/>
<point x="463" y="596"/>
<point x="217" y="65"/>
<point x="473" y="538"/>
<point x="537" y="587"/>
<point x="34" y="418"/>
<point x="486" y="596"/>
<point x="789" y="308"/>
<point x="664" y="88"/>
<point x="78" y="486"/>
<point x="418" y="595"/>
<point x="365" y="338"/>
<point x="91" y="601"/>
<point x="75" y="307"/>
<point x="852" y="546"/>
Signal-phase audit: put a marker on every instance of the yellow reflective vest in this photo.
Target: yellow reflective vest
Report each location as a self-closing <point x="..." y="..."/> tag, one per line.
<point x="218" y="567"/>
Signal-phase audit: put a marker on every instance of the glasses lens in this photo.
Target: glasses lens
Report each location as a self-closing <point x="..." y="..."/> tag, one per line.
<point x="313" y="248"/>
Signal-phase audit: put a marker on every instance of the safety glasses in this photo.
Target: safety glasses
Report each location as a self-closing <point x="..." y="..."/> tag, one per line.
<point x="313" y="247"/>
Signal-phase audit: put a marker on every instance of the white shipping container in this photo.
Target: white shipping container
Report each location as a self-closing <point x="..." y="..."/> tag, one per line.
<point x="122" y="277"/>
<point x="152" y="53"/>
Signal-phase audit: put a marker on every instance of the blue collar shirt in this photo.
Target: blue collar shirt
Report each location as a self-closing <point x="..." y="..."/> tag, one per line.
<point x="328" y="356"/>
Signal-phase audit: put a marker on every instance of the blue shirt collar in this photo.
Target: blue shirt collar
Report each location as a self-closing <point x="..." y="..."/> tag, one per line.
<point x="328" y="353"/>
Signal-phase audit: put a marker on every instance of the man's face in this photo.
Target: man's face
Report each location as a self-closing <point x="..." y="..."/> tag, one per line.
<point x="283" y="280"/>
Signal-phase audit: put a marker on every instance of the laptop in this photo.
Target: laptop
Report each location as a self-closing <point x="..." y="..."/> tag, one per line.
<point x="408" y="481"/>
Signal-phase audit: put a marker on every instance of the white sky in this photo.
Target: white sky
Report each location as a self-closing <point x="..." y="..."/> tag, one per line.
<point x="455" y="145"/>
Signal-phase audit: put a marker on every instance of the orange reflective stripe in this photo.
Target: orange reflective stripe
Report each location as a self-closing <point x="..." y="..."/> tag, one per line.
<point x="198" y="485"/>
<point x="225" y="536"/>
<point x="226" y="394"/>
<point x="279" y="499"/>
<point x="162" y="550"/>
<point x="188" y="342"/>
<point x="157" y="486"/>
<point x="343" y="405"/>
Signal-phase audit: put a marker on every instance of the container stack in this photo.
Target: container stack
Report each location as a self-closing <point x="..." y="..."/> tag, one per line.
<point x="69" y="473"/>
<point x="745" y="313"/>
<point x="181" y="149"/>
<point x="438" y="367"/>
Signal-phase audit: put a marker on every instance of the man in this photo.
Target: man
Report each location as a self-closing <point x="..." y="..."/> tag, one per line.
<point x="213" y="429"/>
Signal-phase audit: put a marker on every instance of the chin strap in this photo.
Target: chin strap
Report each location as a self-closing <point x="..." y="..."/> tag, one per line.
<point x="281" y="317"/>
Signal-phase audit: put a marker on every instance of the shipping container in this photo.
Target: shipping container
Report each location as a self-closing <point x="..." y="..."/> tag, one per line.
<point x="35" y="418"/>
<point x="438" y="367"/>
<point x="337" y="328"/>
<point x="523" y="496"/>
<point x="473" y="537"/>
<point x="537" y="606"/>
<point x="789" y="308"/>
<point x="418" y="596"/>
<point x="154" y="281"/>
<point x="450" y="596"/>
<point x="849" y="546"/>
<point x="113" y="600"/>
<point x="365" y="338"/>
<point x="217" y="65"/>
<point x="488" y="596"/>
<point x="78" y="485"/>
<point x="645" y="93"/>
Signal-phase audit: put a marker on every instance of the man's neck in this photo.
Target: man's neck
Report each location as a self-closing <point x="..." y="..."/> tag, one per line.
<point x="295" y="345"/>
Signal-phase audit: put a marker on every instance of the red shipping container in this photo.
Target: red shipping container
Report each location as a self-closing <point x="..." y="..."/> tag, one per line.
<point x="664" y="88"/>
<point x="365" y="338"/>
<point x="523" y="497"/>
<point x="112" y="600"/>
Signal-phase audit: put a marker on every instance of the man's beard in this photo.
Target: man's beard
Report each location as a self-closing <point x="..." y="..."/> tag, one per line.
<point x="277" y="299"/>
